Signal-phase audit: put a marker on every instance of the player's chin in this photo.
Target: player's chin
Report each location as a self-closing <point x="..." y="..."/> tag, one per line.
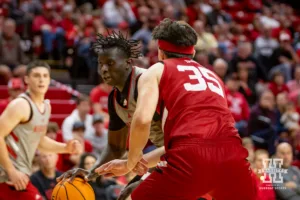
<point x="42" y="91"/>
<point x="109" y="82"/>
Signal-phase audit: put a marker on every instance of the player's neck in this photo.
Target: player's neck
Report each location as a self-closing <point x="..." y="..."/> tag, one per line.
<point x="123" y="80"/>
<point x="49" y="173"/>
<point x="36" y="98"/>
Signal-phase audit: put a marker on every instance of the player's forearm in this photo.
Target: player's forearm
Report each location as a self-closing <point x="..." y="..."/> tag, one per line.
<point x="109" y="153"/>
<point x="139" y="135"/>
<point x="51" y="146"/>
<point x="153" y="157"/>
<point x="5" y="162"/>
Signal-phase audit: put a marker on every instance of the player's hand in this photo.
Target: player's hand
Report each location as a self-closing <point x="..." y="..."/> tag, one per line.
<point x="141" y="167"/>
<point x="18" y="179"/>
<point x="74" y="147"/>
<point x="113" y="168"/>
<point x="128" y="190"/>
<point x="73" y="173"/>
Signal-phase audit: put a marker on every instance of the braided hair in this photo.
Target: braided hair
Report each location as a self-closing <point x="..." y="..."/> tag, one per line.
<point x="129" y="47"/>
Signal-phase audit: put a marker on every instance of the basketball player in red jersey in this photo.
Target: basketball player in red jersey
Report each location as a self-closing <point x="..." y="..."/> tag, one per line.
<point x="204" y="153"/>
<point x="23" y="130"/>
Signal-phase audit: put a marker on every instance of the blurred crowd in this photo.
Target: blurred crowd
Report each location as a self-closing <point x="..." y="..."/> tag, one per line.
<point x="252" y="45"/>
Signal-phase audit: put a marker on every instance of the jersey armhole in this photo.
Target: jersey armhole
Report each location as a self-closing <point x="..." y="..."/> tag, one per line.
<point x="31" y="112"/>
<point x="135" y="96"/>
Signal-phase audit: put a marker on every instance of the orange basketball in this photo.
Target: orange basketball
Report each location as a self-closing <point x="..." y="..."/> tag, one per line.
<point x="77" y="190"/>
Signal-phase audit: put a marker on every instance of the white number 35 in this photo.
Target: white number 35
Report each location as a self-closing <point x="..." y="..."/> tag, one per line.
<point x="202" y="84"/>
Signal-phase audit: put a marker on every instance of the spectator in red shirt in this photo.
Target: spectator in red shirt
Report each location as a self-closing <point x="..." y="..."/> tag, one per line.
<point x="99" y="98"/>
<point x="247" y="86"/>
<point x="68" y="25"/>
<point x="294" y="85"/>
<point x="194" y="12"/>
<point x="277" y="84"/>
<point x="15" y="87"/>
<point x="48" y="25"/>
<point x="254" y="5"/>
<point x="237" y="104"/>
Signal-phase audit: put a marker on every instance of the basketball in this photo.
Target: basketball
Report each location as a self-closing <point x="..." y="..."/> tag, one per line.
<point x="77" y="190"/>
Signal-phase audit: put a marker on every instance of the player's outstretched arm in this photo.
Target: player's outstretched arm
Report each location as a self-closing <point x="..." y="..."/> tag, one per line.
<point x="148" y="90"/>
<point x="17" y="111"/>
<point x="48" y="145"/>
<point x="153" y="157"/>
<point x="115" y="148"/>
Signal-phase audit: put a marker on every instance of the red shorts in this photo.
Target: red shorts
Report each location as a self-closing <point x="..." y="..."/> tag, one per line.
<point x="8" y="192"/>
<point x="195" y="167"/>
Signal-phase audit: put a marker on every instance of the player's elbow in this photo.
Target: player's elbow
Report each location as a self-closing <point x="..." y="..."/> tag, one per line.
<point x="143" y="120"/>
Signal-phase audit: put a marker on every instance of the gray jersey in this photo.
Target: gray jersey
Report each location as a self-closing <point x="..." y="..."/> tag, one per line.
<point x="23" y="141"/>
<point x="156" y="134"/>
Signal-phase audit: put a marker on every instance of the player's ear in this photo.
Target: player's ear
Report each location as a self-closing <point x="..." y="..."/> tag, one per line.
<point x="161" y="55"/>
<point x="194" y="53"/>
<point x="129" y="62"/>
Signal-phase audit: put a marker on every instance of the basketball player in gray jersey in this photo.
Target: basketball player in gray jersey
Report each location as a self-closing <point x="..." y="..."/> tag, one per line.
<point x="115" y="55"/>
<point x="23" y="128"/>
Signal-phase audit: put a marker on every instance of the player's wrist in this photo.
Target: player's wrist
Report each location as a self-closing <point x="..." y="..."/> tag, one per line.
<point x="65" y="148"/>
<point x="11" y="170"/>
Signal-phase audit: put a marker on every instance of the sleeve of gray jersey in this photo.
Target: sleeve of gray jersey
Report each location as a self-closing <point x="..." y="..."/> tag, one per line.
<point x="156" y="134"/>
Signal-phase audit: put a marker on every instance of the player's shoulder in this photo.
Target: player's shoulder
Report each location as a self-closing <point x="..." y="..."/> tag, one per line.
<point x="19" y="108"/>
<point x="155" y="70"/>
<point x="19" y="103"/>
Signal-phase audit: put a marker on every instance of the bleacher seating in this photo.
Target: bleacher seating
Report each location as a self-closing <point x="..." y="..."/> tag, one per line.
<point x="61" y="103"/>
<point x="62" y="106"/>
<point x="58" y="118"/>
<point x="53" y="93"/>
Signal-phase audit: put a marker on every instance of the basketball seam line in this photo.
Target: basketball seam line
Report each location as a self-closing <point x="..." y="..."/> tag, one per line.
<point x="57" y="192"/>
<point x="78" y="190"/>
<point x="66" y="192"/>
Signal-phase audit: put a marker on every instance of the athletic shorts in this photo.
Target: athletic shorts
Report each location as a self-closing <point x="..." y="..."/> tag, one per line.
<point x="8" y="192"/>
<point x="195" y="167"/>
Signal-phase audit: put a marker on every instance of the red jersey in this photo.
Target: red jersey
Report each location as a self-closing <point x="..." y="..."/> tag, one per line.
<point x="98" y="95"/>
<point x="193" y="102"/>
<point x="278" y="89"/>
<point x="238" y="106"/>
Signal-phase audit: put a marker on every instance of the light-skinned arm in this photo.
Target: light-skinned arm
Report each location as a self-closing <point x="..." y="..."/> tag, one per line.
<point x="17" y="111"/>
